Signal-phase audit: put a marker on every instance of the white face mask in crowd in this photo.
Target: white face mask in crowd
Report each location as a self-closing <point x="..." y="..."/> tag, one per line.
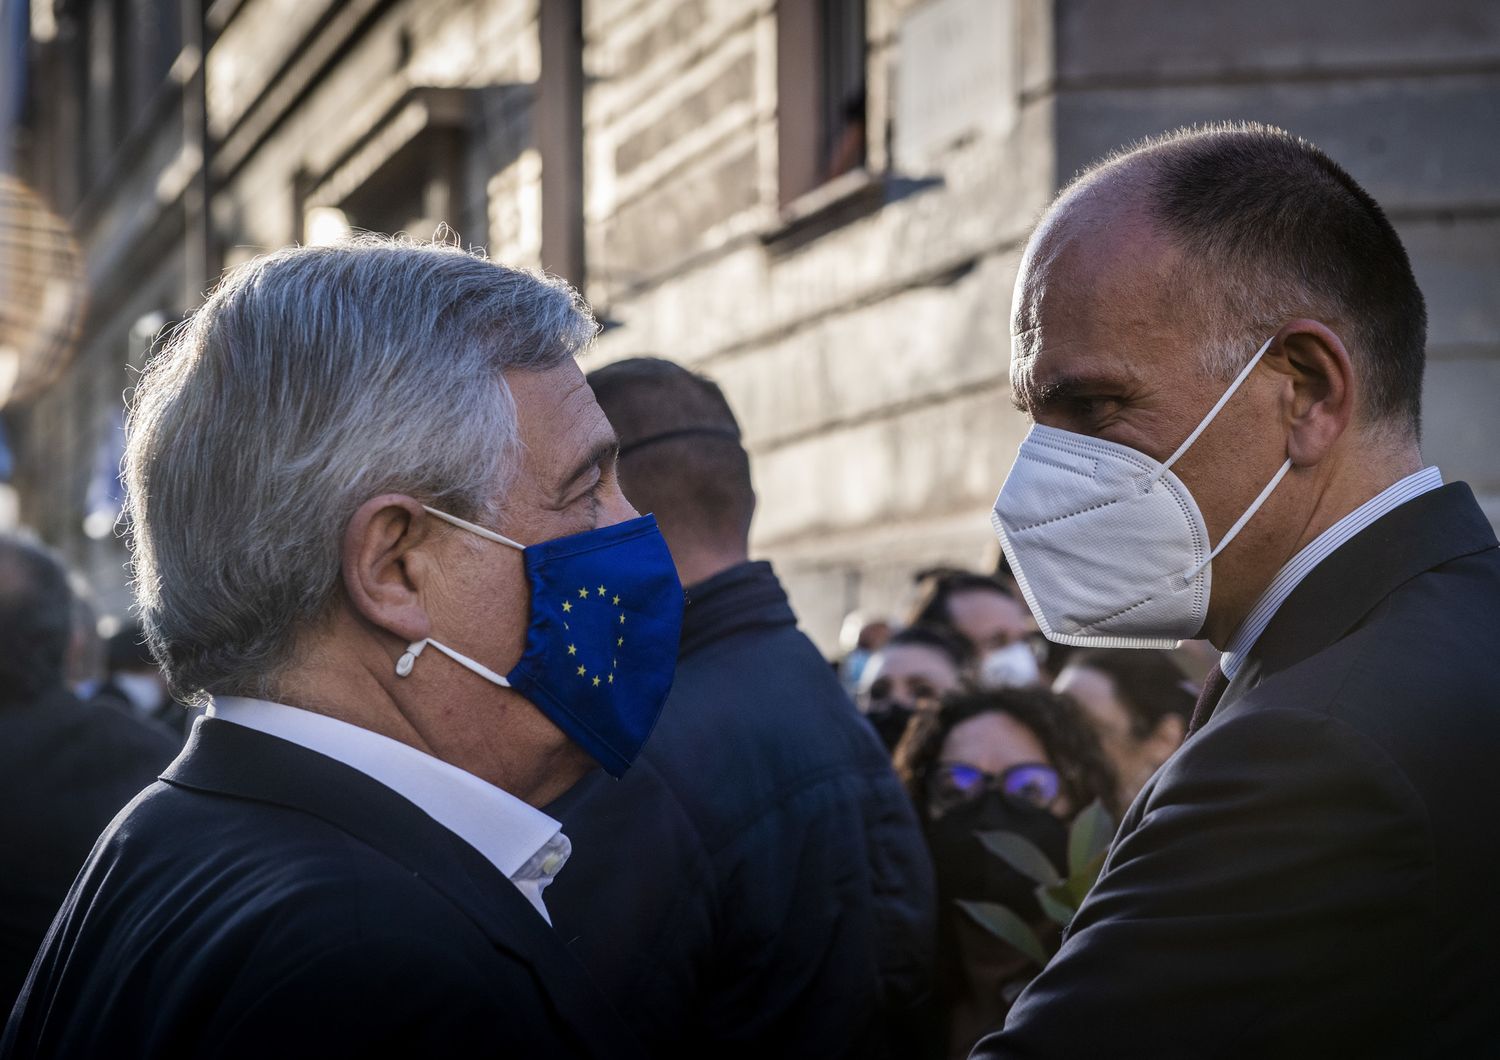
<point x="1013" y="666"/>
<point x="1107" y="544"/>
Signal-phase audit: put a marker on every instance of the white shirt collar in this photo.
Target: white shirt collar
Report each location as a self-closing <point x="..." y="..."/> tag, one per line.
<point x="1323" y="546"/>
<point x="525" y="844"/>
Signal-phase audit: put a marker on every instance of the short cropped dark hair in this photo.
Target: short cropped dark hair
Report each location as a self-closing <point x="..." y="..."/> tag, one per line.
<point x="36" y="620"/>
<point x="1298" y="236"/>
<point x="680" y="451"/>
<point x="937" y="586"/>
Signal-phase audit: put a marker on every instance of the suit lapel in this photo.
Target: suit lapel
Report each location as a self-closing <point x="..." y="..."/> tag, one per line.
<point x="1425" y="532"/>
<point x="234" y="760"/>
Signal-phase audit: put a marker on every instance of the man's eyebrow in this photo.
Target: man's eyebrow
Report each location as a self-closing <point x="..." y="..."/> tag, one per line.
<point x="604" y="451"/>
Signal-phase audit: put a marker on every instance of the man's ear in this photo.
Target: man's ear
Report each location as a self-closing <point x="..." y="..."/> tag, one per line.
<point x="1321" y="388"/>
<point x="384" y="563"/>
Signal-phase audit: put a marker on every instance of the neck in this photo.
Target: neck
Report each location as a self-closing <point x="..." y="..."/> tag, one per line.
<point x="440" y="709"/>
<point x="1365" y="473"/>
<point x="698" y="563"/>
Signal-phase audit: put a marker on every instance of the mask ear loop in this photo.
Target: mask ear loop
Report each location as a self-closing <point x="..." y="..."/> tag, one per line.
<point x="1212" y="413"/>
<point x="474" y="528"/>
<point x="1240" y="523"/>
<point x="409" y="657"/>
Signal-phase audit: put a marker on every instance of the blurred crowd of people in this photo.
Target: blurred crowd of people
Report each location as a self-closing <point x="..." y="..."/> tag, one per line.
<point x="993" y="728"/>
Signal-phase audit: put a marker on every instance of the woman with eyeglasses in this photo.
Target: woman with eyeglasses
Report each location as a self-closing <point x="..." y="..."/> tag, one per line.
<point x="1021" y="760"/>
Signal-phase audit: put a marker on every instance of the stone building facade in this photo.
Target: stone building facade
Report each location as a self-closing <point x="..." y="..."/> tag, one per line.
<point x="819" y="203"/>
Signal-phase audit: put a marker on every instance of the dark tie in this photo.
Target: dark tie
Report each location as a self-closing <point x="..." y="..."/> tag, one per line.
<point x="1208" y="699"/>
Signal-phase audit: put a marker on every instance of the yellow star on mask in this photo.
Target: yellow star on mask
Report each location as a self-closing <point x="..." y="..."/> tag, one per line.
<point x="596" y="682"/>
<point x="622" y="618"/>
<point x="617" y="601"/>
<point x="611" y="678"/>
<point x="572" y="649"/>
<point x="583" y="594"/>
<point x="582" y="670"/>
<point x="567" y="605"/>
<point x="601" y="590"/>
<point x="620" y="643"/>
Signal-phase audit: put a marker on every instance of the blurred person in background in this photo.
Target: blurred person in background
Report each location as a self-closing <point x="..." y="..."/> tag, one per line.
<point x="66" y="767"/>
<point x="134" y="682"/>
<point x="375" y="517"/>
<point x="918" y="666"/>
<point x="85" y="662"/>
<point x="1021" y="760"/>
<point x="860" y="636"/>
<point x="1139" y="703"/>
<point x="1222" y="342"/>
<point x="996" y="625"/>
<point x="758" y="886"/>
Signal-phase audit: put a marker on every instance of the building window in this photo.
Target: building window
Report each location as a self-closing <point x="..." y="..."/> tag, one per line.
<point x="404" y="174"/>
<point x="820" y="84"/>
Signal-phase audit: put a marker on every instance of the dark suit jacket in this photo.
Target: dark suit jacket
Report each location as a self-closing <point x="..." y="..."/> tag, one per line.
<point x="263" y="900"/>
<point x="757" y="884"/>
<point x="66" y="768"/>
<point x="1314" y="873"/>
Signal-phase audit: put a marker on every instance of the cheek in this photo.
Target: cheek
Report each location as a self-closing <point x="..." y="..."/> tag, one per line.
<point x="494" y="608"/>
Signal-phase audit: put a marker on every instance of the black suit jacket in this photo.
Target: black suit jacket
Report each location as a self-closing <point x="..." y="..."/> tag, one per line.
<point x="757" y="885"/>
<point x="1313" y="874"/>
<point x="66" y="768"/>
<point x="265" y="900"/>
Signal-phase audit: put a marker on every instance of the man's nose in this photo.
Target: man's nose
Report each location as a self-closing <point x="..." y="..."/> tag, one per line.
<point x="616" y="508"/>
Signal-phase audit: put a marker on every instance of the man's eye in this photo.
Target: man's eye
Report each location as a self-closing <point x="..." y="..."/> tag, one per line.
<point x="1094" y="408"/>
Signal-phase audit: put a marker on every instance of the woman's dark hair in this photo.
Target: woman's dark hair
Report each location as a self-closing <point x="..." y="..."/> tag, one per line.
<point x="1059" y="724"/>
<point x="940" y="639"/>
<point x="937" y="585"/>
<point x="1148" y="683"/>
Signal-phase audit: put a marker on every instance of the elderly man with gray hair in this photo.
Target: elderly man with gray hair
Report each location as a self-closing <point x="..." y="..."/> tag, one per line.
<point x="349" y="456"/>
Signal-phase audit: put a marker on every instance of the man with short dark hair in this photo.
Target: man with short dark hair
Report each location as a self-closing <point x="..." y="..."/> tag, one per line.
<point x="66" y="767"/>
<point x="758" y="885"/>
<point x="1221" y="341"/>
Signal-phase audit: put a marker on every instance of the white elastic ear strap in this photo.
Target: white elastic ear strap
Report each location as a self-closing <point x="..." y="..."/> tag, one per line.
<point x="473" y="528"/>
<point x="1223" y="400"/>
<point x="1240" y="523"/>
<point x="408" y="659"/>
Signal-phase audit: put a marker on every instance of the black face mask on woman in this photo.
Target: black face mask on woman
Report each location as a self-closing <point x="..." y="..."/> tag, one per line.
<point x="966" y="870"/>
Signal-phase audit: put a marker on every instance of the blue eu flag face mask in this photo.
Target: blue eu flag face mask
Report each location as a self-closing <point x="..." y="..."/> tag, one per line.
<point x="601" y="646"/>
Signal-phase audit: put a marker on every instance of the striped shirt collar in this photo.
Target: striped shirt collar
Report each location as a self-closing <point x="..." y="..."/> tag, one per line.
<point x="526" y="845"/>
<point x="1324" y="545"/>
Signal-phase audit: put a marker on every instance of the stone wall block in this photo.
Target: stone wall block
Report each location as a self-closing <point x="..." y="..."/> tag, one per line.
<point x="1417" y="144"/>
<point x="1108" y="40"/>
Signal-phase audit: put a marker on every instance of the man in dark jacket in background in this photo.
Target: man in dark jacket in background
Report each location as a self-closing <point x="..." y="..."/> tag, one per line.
<point x="66" y="768"/>
<point x="758" y="884"/>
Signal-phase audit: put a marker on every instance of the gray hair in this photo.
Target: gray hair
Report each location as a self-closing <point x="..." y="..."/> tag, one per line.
<point x="311" y="380"/>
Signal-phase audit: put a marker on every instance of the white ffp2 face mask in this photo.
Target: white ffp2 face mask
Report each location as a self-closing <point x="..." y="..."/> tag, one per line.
<point x="1107" y="544"/>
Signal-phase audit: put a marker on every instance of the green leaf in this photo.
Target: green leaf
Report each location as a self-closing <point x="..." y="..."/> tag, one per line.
<point x="1089" y="838"/>
<point x="1020" y="854"/>
<point x="1058" y="903"/>
<point x="1007" y="927"/>
<point x="1081" y="882"/>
